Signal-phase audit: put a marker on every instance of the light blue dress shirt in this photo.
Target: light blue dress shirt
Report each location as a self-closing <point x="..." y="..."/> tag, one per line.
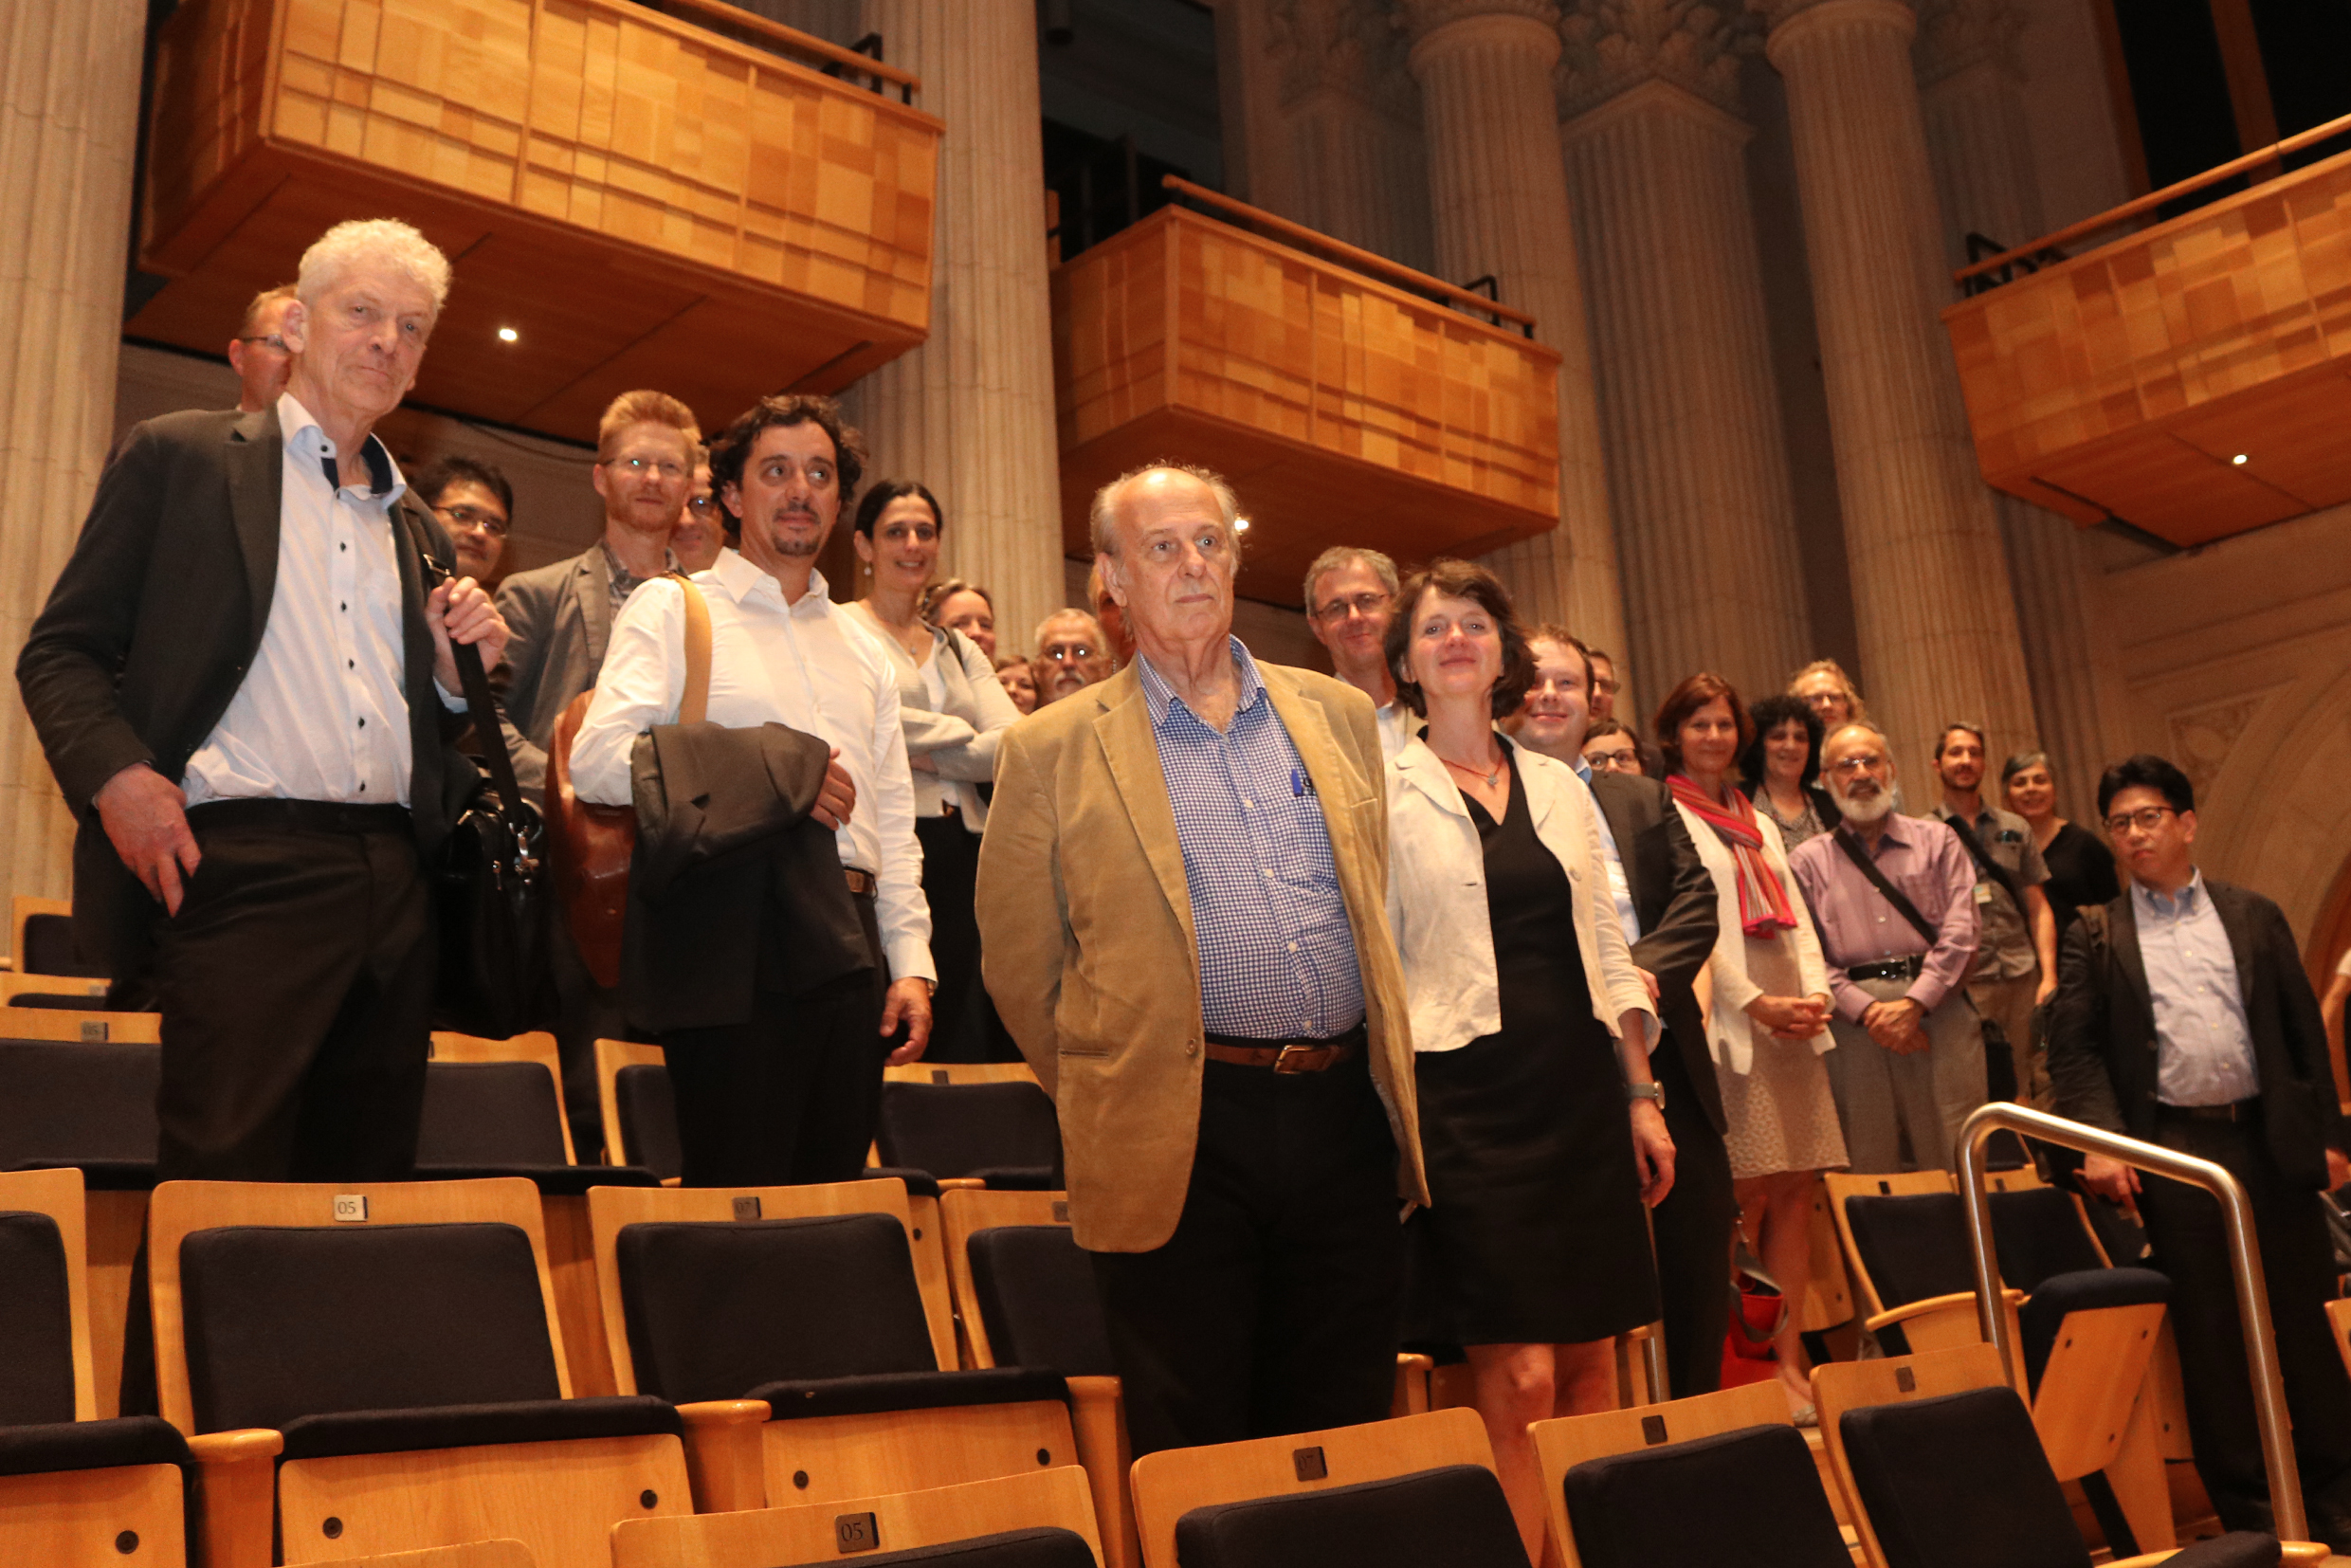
<point x="1619" y="885"/>
<point x="2204" y="1052"/>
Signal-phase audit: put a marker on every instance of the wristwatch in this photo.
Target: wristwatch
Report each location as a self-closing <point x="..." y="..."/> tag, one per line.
<point x="1646" y="1091"/>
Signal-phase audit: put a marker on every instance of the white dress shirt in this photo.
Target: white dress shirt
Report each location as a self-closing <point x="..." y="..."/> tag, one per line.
<point x="324" y="713"/>
<point x="1436" y="897"/>
<point x="806" y="665"/>
<point x="2204" y="1051"/>
<point x="1619" y="885"/>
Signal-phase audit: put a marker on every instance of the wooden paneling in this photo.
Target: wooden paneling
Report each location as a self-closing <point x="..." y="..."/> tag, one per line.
<point x="1342" y="409"/>
<point x="644" y="202"/>
<point x="2127" y="380"/>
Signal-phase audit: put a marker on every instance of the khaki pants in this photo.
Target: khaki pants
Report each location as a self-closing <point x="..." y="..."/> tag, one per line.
<point x="2008" y="1004"/>
<point x="1883" y="1097"/>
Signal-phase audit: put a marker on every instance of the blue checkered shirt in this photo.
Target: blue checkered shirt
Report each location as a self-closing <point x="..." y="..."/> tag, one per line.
<point x="1277" y="955"/>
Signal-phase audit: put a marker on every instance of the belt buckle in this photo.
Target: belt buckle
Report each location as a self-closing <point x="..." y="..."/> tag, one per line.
<point x="1282" y="1062"/>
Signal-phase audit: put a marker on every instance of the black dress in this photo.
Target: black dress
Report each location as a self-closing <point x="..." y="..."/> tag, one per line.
<point x="1536" y="1233"/>
<point x="2081" y="872"/>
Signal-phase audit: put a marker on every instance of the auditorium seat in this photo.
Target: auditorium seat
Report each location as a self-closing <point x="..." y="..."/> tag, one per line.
<point x="83" y="1024"/>
<point x="57" y="992"/>
<point x="1039" y="1520"/>
<point x="1025" y="1296"/>
<point x="639" y="1114"/>
<point x="1415" y="1490"/>
<point x="2339" y="1315"/>
<point x="1719" y="1477"/>
<point x="41" y="938"/>
<point x="2087" y="1334"/>
<point x="1942" y="1467"/>
<point x="999" y="1134"/>
<point x="367" y="1368"/>
<point x="477" y="1554"/>
<point x="75" y="1491"/>
<point x="961" y="1072"/>
<point x="810" y="1359"/>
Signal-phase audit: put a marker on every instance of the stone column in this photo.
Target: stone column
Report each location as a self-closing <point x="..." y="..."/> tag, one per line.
<point x="68" y="122"/>
<point x="970" y="413"/>
<point x="1497" y="186"/>
<point x="1689" y="411"/>
<point x="1357" y="163"/>
<point x="1972" y="89"/>
<point x="1935" y="620"/>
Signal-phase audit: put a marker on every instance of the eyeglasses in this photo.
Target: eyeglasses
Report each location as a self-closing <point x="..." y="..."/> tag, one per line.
<point x="473" y="517"/>
<point x="1063" y="654"/>
<point x="637" y="467"/>
<point x="1365" y="605"/>
<point x="1605" y="684"/>
<point x="1865" y="763"/>
<point x="704" y="506"/>
<point x="1626" y="760"/>
<point x="271" y="339"/>
<point x="2146" y="819"/>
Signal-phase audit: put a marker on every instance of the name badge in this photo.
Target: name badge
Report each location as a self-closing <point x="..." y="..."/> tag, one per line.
<point x="1983" y="892"/>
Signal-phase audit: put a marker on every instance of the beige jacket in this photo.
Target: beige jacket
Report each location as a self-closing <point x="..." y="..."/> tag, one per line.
<point x="1087" y="946"/>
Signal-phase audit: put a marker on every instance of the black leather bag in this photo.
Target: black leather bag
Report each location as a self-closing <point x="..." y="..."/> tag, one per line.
<point x="491" y="886"/>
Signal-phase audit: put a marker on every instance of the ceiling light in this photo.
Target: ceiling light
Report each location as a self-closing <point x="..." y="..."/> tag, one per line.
<point x="1240" y="525"/>
<point x="2238" y="460"/>
<point x="508" y="335"/>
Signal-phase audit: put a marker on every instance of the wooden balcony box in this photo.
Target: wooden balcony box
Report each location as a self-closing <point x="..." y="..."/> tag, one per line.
<point x="1343" y="409"/>
<point x="2191" y="379"/>
<point x="641" y="202"/>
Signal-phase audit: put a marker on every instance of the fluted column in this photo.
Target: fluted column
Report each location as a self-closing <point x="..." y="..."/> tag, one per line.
<point x="1689" y="411"/>
<point x="1972" y="88"/>
<point x="68" y="120"/>
<point x="1497" y="186"/>
<point x="1932" y="610"/>
<point x="1358" y="170"/>
<point x="970" y="413"/>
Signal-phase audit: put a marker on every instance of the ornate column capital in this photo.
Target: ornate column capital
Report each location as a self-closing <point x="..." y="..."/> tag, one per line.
<point x="1778" y="13"/>
<point x="1613" y="46"/>
<point x="1421" y="18"/>
<point x="1955" y="35"/>
<point x="1350" y="47"/>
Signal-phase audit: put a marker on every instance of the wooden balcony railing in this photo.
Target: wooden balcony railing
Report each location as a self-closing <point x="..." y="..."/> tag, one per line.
<point x="1345" y="407"/>
<point x="639" y="199"/>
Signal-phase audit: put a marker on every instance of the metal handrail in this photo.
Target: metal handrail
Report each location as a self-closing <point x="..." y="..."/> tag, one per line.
<point x="2252" y="1287"/>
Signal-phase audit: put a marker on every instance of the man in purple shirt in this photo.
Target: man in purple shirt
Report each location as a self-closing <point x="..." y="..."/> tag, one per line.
<point x="1908" y="1061"/>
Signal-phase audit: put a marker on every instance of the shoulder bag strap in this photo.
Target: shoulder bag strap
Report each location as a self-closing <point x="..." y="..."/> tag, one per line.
<point x="1902" y="907"/>
<point x="1984" y="862"/>
<point x="695" y="704"/>
<point x="480" y="702"/>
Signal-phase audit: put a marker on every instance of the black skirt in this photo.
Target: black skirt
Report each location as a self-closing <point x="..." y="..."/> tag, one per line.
<point x="1536" y="1233"/>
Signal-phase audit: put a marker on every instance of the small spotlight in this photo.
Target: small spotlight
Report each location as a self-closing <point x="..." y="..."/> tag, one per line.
<point x="1240" y="525"/>
<point x="2238" y="460"/>
<point x="508" y="335"/>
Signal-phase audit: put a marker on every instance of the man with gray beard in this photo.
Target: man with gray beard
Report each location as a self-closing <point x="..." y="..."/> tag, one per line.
<point x="1895" y="899"/>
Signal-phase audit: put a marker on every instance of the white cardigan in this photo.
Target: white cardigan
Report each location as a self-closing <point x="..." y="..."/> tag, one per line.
<point x="1730" y="1034"/>
<point x="1436" y="897"/>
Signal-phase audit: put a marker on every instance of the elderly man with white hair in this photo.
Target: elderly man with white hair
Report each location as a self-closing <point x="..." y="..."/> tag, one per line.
<point x="1182" y="907"/>
<point x="1895" y="899"/>
<point x="244" y="682"/>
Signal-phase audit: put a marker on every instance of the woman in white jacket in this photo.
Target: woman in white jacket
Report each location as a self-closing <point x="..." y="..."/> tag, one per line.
<point x="1769" y="1021"/>
<point x="1540" y="1124"/>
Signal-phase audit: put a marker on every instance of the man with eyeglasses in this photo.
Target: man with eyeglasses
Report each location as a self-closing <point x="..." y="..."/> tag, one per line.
<point x="1898" y="937"/>
<point x="258" y="353"/>
<point x="701" y="533"/>
<point x="2184" y="1018"/>
<point x="476" y="505"/>
<point x="1351" y="595"/>
<point x="1072" y="654"/>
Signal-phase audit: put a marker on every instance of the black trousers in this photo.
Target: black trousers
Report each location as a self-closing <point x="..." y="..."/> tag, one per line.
<point x="296" y="987"/>
<point x="963" y="1022"/>
<point x="2191" y="1245"/>
<point x="1692" y="1231"/>
<point x="1276" y="1306"/>
<point x="789" y="1096"/>
<point x="584" y="1013"/>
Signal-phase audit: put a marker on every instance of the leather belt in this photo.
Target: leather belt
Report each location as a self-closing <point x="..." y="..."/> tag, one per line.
<point x="2236" y="1110"/>
<point x="1287" y="1055"/>
<point x="860" y="881"/>
<point x="1889" y="969"/>
<point x="313" y="816"/>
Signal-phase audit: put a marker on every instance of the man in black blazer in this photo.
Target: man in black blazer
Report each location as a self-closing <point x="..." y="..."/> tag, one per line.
<point x="2188" y="1021"/>
<point x="1673" y="903"/>
<point x="243" y="683"/>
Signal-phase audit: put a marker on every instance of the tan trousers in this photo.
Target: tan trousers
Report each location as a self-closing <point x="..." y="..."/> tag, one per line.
<point x="1884" y="1098"/>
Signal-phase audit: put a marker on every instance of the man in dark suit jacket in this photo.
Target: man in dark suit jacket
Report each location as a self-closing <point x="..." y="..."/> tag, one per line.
<point x="2188" y="1021"/>
<point x="1673" y="903"/>
<point x="245" y="597"/>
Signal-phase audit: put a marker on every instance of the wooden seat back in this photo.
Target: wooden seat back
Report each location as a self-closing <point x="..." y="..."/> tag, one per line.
<point x="58" y="1193"/>
<point x="963" y="1213"/>
<point x="1562" y="1444"/>
<point x="1840" y="1386"/>
<point x="897" y="1521"/>
<point x="537" y="1045"/>
<point x="613" y="1056"/>
<point x="94" y="1023"/>
<point x="1172" y="1482"/>
<point x="961" y="1072"/>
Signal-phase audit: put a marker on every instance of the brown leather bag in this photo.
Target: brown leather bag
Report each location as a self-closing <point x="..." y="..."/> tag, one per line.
<point x="591" y="845"/>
